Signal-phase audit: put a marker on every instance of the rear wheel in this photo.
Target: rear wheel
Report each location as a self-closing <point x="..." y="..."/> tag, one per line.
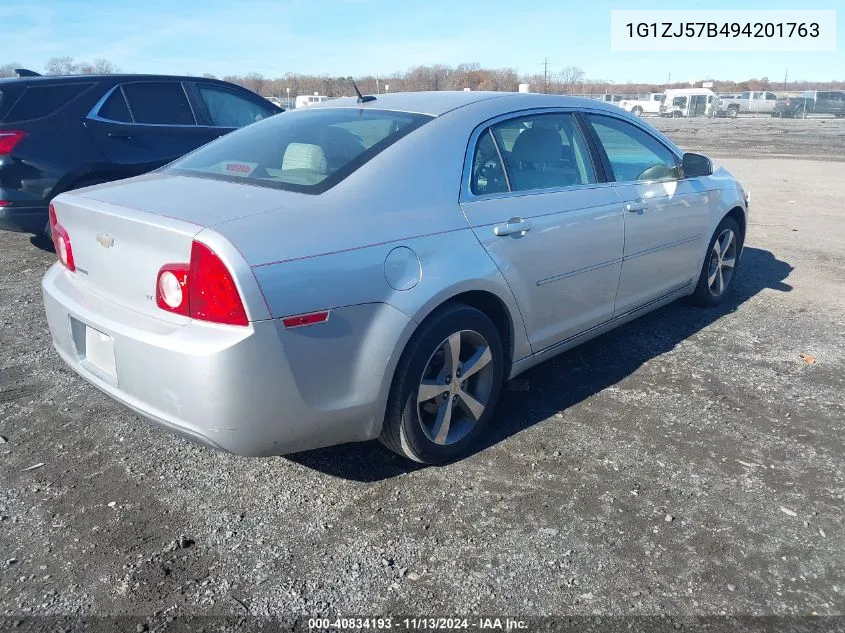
<point x="717" y="274"/>
<point x="733" y="113"/>
<point x="637" y="111"/>
<point x="445" y="387"/>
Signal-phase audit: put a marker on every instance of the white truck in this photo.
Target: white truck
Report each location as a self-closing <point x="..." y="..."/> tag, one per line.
<point x="687" y="102"/>
<point x="749" y="102"/>
<point x="643" y="104"/>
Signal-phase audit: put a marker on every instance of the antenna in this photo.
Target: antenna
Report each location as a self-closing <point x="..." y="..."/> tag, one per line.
<point x="362" y="98"/>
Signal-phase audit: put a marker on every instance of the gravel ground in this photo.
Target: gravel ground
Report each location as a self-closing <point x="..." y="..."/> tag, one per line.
<point x="689" y="463"/>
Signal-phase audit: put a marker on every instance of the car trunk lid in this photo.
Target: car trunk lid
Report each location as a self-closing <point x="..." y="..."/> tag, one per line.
<point x="180" y="197"/>
<point x="118" y="251"/>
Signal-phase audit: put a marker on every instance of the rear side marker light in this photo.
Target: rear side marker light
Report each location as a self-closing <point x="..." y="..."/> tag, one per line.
<point x="61" y="241"/>
<point x="305" y="319"/>
<point x="5" y="203"/>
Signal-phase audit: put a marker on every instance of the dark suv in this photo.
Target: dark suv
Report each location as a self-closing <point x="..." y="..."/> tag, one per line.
<point x="812" y="102"/>
<point x="61" y="133"/>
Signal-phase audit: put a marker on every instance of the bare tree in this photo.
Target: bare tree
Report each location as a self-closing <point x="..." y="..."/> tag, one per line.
<point x="568" y="78"/>
<point x="104" y="67"/>
<point x="61" y="66"/>
<point x="8" y="70"/>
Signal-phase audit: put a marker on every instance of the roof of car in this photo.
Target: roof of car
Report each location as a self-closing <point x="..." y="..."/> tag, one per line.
<point x="111" y="77"/>
<point x="436" y="103"/>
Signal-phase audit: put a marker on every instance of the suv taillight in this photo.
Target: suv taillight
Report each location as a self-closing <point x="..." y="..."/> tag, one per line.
<point x="61" y="241"/>
<point x="9" y="140"/>
<point x="203" y="289"/>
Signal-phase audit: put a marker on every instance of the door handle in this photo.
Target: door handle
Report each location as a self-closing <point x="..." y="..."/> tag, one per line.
<point x="122" y="135"/>
<point x="635" y="206"/>
<point x="514" y="226"/>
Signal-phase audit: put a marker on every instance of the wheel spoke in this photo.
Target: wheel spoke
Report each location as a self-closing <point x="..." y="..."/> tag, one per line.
<point x="728" y="237"/>
<point x="440" y="430"/>
<point x="469" y="404"/>
<point x="452" y="353"/>
<point x="478" y="361"/>
<point x="717" y="248"/>
<point x="721" y="280"/>
<point x="430" y="389"/>
<point x="728" y="262"/>
<point x="712" y="277"/>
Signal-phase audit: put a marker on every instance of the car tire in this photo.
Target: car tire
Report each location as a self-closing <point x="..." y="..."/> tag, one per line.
<point x="443" y="427"/>
<point x="733" y="113"/>
<point x="676" y="115"/>
<point x="720" y="264"/>
<point x="637" y="111"/>
<point x="800" y="114"/>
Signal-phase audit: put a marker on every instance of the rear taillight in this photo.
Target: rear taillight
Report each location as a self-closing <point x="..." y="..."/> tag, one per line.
<point x="61" y="241"/>
<point x="9" y="140"/>
<point x="203" y="289"/>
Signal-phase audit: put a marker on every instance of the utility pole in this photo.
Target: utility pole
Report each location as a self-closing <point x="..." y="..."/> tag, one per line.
<point x="785" y="76"/>
<point x="546" y="75"/>
<point x="668" y="80"/>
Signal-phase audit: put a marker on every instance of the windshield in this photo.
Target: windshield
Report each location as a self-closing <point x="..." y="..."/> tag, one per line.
<point x="308" y="151"/>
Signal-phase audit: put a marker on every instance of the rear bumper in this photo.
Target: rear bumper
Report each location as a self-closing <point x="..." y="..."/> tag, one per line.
<point x="255" y="390"/>
<point x="23" y="219"/>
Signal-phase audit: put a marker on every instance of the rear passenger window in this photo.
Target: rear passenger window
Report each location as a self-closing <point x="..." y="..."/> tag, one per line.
<point x="41" y="101"/>
<point x="543" y="151"/>
<point x="633" y="153"/>
<point x="115" y="108"/>
<point x="159" y="103"/>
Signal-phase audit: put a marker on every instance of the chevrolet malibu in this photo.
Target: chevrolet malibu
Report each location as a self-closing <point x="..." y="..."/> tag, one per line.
<point x="377" y="267"/>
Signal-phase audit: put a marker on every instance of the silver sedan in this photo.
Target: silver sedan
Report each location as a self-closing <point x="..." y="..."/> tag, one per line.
<point x="376" y="268"/>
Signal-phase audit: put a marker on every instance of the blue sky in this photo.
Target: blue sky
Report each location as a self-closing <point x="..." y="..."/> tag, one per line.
<point x="352" y="37"/>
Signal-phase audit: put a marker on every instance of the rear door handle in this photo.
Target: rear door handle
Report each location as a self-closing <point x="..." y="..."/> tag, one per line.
<point x="635" y="206"/>
<point x="514" y="226"/>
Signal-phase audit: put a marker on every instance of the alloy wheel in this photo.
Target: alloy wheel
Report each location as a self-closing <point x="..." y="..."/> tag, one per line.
<point x="456" y="387"/>
<point x="722" y="263"/>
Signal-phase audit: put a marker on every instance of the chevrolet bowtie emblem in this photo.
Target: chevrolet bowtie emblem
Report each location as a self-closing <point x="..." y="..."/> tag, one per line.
<point x="105" y="240"/>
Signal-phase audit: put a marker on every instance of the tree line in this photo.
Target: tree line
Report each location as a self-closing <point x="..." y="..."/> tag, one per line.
<point x="567" y="80"/>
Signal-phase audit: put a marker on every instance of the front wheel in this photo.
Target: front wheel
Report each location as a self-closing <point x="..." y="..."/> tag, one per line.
<point x="637" y="111"/>
<point x="733" y="113"/>
<point x="717" y="274"/>
<point x="446" y="386"/>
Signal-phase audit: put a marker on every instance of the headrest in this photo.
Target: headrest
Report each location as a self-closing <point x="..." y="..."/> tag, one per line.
<point x="537" y="145"/>
<point x="304" y="156"/>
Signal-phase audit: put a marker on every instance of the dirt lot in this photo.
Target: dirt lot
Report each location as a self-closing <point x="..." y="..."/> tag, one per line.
<point x="689" y="463"/>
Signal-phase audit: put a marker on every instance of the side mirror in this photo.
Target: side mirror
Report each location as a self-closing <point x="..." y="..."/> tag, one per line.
<point x="696" y="165"/>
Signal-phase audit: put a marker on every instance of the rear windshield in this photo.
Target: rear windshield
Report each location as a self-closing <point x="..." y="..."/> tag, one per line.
<point x="308" y="151"/>
<point x="40" y="101"/>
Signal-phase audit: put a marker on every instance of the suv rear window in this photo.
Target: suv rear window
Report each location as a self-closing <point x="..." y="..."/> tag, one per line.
<point x="38" y="102"/>
<point x="308" y="151"/>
